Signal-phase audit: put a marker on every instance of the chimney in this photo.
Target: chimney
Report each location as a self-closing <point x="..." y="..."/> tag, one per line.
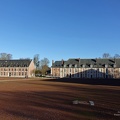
<point x="52" y="62"/>
<point x="79" y="61"/>
<point x="96" y="60"/>
<point x="62" y="61"/>
<point x="114" y="60"/>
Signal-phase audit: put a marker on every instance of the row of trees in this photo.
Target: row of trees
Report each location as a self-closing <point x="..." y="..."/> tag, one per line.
<point x="107" y="55"/>
<point x="42" y="66"/>
<point x="5" y="56"/>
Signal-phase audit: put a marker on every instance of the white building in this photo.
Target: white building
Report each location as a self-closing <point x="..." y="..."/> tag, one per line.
<point x="86" y="68"/>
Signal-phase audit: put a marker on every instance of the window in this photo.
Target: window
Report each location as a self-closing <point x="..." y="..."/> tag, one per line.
<point x="64" y="75"/>
<point x="91" y="66"/>
<point x="76" y="65"/>
<point x="106" y="66"/>
<point x="114" y="65"/>
<point x="83" y="65"/>
<point x="75" y="69"/>
<point x="70" y="65"/>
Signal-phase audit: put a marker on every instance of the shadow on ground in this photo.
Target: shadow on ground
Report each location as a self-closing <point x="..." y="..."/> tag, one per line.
<point x="110" y="82"/>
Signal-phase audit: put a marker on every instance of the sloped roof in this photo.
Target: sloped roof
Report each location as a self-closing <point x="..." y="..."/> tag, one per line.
<point x="15" y="63"/>
<point x="96" y="63"/>
<point x="57" y="64"/>
<point x="72" y="62"/>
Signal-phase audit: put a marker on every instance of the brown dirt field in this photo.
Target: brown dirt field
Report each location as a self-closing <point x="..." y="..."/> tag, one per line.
<point x="46" y="99"/>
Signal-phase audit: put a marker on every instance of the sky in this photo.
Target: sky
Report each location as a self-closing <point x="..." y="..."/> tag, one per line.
<point x="59" y="29"/>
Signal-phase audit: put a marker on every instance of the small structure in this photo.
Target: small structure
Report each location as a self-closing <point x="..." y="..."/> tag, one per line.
<point x="84" y="102"/>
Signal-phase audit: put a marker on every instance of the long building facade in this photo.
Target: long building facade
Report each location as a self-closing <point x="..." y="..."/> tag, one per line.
<point x="86" y="68"/>
<point x="17" y="68"/>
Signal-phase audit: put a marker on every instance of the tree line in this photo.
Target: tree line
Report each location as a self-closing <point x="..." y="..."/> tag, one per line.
<point x="42" y="66"/>
<point x="107" y="55"/>
<point x="5" y="56"/>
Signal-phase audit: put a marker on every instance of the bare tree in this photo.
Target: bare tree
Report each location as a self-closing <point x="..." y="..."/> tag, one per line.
<point x="24" y="58"/>
<point x="44" y="65"/>
<point x="117" y="56"/>
<point x="9" y="56"/>
<point x="45" y="61"/>
<point x="106" y="55"/>
<point x="36" y="61"/>
<point x="5" y="56"/>
<point x="44" y="69"/>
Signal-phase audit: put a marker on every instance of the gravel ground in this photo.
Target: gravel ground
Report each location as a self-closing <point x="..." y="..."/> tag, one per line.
<point x="46" y="99"/>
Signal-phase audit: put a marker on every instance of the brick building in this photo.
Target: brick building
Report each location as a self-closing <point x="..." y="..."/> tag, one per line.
<point x="86" y="68"/>
<point x="16" y="68"/>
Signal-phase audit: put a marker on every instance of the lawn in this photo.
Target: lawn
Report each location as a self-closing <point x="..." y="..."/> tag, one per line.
<point x="47" y="99"/>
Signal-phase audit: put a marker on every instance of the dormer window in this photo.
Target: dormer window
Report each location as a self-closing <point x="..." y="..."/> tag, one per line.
<point x="75" y="65"/>
<point x="114" y="65"/>
<point x="83" y="65"/>
<point x="64" y="65"/>
<point x="70" y="65"/>
<point x="91" y="66"/>
<point x="106" y="66"/>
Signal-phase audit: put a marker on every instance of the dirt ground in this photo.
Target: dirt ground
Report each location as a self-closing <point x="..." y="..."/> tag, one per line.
<point x="46" y="99"/>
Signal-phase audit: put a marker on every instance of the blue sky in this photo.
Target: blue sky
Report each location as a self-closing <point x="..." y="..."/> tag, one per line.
<point x="59" y="29"/>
